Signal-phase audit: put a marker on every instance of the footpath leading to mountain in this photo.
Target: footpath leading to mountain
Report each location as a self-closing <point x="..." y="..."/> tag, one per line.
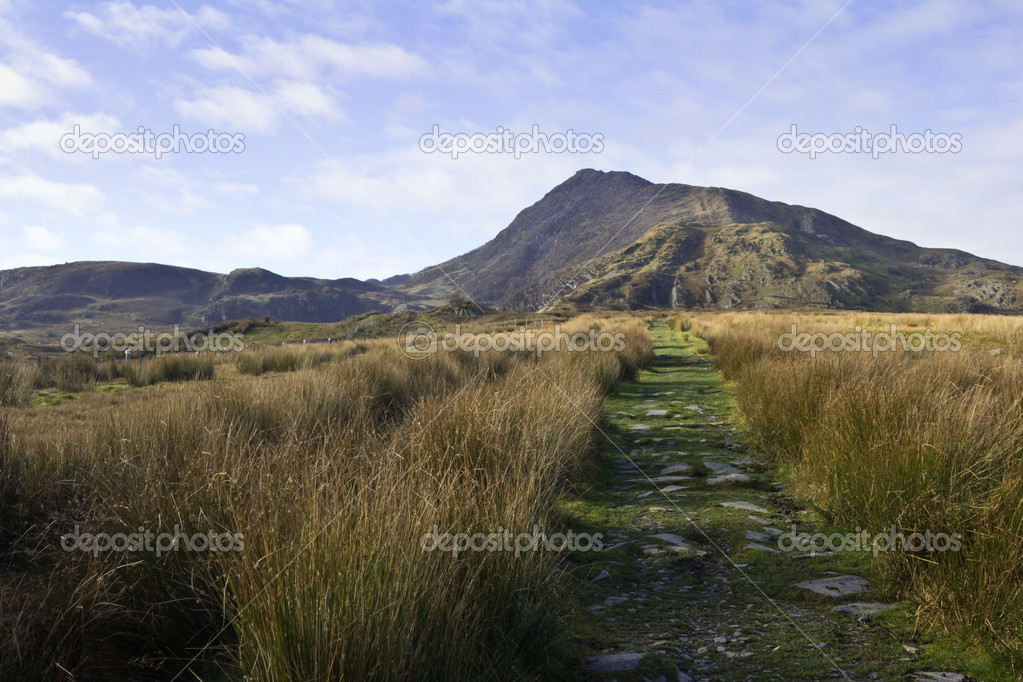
<point x="694" y="582"/>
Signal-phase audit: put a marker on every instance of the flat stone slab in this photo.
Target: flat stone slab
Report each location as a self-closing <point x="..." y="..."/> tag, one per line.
<point x="639" y="427"/>
<point x="757" y="547"/>
<point x="861" y="608"/>
<point x="811" y="555"/>
<point x="678" y="468"/>
<point x="678" y="545"/>
<point x="674" y="488"/>
<point x="672" y="539"/>
<point x="614" y="663"/>
<point x="687" y="551"/>
<point x="838" y="586"/>
<point x="661" y="479"/>
<point x="721" y="468"/>
<point x="657" y="413"/>
<point x="931" y="676"/>
<point x="728" y="478"/>
<point x="755" y="536"/>
<point x="745" y="506"/>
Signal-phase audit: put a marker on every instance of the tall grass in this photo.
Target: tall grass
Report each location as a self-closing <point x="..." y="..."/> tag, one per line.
<point x="294" y="357"/>
<point x="918" y="440"/>
<point x="81" y="373"/>
<point x="167" y="368"/>
<point x="333" y="474"/>
<point x="17" y="383"/>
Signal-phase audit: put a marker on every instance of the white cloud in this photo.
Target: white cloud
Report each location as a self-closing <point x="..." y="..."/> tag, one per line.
<point x="311" y="58"/>
<point x="30" y="76"/>
<point x="78" y="199"/>
<point x="271" y="242"/>
<point x="421" y="200"/>
<point x="237" y="108"/>
<point x="16" y="90"/>
<point x="253" y="111"/>
<point x="44" y="135"/>
<point x="57" y="70"/>
<point x="39" y="238"/>
<point x="137" y="27"/>
<point x="172" y="192"/>
<point x="305" y="99"/>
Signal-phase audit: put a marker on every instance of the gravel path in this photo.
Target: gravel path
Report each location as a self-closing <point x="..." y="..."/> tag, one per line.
<point x="694" y="582"/>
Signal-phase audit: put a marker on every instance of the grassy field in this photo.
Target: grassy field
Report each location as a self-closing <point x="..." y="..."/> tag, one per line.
<point x="922" y="440"/>
<point x="323" y="467"/>
<point x="320" y="482"/>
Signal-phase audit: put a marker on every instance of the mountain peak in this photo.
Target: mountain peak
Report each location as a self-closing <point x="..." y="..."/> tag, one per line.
<point x="604" y="238"/>
<point x="616" y="239"/>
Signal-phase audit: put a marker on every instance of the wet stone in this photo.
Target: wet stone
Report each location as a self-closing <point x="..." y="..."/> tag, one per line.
<point x="837" y="586"/>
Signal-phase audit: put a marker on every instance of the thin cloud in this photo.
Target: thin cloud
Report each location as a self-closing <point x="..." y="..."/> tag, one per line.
<point x="139" y="27"/>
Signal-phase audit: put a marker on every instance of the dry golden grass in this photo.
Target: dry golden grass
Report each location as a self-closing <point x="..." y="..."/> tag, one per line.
<point x="332" y="472"/>
<point x="919" y="440"/>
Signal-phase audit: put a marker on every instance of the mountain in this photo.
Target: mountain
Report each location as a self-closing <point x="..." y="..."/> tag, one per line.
<point x="120" y="296"/>
<point x="598" y="239"/>
<point x="615" y="239"/>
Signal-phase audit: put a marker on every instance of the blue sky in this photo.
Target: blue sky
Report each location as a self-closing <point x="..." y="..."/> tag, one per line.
<point x="332" y="99"/>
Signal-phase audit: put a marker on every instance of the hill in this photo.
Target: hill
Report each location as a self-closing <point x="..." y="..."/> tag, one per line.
<point x="599" y="239"/>
<point x="615" y="239"/>
<point x="120" y="296"/>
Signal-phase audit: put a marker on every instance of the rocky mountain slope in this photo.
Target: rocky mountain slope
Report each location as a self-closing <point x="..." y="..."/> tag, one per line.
<point x="598" y="239"/>
<point x="616" y="239"/>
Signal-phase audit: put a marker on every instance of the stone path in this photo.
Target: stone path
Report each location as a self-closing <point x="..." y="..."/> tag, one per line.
<point x="695" y="582"/>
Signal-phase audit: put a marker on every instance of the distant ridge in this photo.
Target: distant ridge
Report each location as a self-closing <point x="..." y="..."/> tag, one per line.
<point x="607" y="239"/>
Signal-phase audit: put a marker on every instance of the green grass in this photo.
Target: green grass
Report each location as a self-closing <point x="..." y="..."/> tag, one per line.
<point x="665" y="626"/>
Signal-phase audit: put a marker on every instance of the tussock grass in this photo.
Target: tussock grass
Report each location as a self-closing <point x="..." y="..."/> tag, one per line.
<point x="291" y="358"/>
<point x="173" y="367"/>
<point x="17" y="383"/>
<point x="332" y="472"/>
<point x="918" y="440"/>
<point x="81" y="373"/>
